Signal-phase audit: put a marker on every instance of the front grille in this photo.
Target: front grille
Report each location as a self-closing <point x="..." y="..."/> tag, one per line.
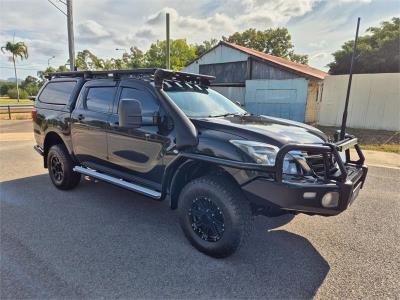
<point x="316" y="163"/>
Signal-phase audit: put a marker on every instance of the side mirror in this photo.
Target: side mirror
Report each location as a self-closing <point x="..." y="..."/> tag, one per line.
<point x="130" y="113"/>
<point x="238" y="103"/>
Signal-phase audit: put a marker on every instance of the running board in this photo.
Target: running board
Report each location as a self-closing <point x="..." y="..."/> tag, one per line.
<point x="118" y="182"/>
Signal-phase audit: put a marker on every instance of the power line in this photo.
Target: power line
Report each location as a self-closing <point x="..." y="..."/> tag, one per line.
<point x="29" y="69"/>
<point x="65" y="14"/>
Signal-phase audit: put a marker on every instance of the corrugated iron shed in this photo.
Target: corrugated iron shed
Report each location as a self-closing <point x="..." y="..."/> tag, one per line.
<point x="276" y="61"/>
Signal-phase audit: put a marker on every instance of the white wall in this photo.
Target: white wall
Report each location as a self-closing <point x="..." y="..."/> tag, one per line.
<point x="221" y="54"/>
<point x="374" y="101"/>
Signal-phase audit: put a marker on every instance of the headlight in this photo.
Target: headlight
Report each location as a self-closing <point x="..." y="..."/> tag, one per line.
<point x="262" y="153"/>
<point x="265" y="154"/>
<point x="291" y="163"/>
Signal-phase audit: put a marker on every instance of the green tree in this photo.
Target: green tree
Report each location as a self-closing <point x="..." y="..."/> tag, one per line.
<point x="31" y="85"/>
<point x="20" y="50"/>
<point x="62" y="68"/>
<point x="42" y="74"/>
<point x="5" y="86"/>
<point x="180" y="55"/>
<point x="205" y="46"/>
<point x="377" y="52"/>
<point x="87" y="60"/>
<point x="14" y="93"/>
<point x="277" y="42"/>
<point x="135" y="58"/>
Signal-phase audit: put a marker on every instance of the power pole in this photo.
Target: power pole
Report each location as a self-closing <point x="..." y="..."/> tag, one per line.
<point x="168" y="65"/>
<point x="71" y="44"/>
<point x="70" y="26"/>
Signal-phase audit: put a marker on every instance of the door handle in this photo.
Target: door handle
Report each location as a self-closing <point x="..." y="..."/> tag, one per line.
<point x="80" y="117"/>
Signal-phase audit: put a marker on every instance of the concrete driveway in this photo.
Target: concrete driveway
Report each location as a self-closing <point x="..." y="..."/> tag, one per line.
<point x="99" y="241"/>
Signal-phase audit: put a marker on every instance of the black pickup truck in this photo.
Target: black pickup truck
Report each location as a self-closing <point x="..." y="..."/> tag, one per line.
<point x="168" y="135"/>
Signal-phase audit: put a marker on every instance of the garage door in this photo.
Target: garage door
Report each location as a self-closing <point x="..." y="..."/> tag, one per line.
<point x="278" y="98"/>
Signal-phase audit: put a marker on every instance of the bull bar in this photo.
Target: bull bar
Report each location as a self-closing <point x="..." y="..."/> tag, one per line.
<point x="289" y="193"/>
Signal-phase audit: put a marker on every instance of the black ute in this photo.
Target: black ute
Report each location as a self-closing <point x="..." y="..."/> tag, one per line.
<point x="167" y="135"/>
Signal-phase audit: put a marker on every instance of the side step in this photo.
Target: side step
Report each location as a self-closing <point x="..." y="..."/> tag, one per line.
<point x="119" y="182"/>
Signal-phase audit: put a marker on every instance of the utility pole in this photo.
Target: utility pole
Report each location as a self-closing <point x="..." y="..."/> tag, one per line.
<point x="71" y="44"/>
<point x="168" y="65"/>
<point x="346" y="105"/>
<point x="70" y="27"/>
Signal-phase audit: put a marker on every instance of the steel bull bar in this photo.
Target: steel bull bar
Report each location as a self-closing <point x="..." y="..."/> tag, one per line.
<point x="308" y="193"/>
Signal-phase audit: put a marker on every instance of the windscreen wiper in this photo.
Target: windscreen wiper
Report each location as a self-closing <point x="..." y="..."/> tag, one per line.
<point x="229" y="114"/>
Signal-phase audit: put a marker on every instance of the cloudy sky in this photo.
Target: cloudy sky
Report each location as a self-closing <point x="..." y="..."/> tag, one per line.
<point x="318" y="27"/>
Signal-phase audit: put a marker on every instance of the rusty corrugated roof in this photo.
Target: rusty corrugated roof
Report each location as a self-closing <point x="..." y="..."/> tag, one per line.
<point x="284" y="63"/>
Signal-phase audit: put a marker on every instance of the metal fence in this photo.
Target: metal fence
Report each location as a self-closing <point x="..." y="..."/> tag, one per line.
<point x="15" y="109"/>
<point x="374" y="101"/>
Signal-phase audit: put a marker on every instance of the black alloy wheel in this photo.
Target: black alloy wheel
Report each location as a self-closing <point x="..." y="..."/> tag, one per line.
<point x="56" y="168"/>
<point x="60" y="165"/>
<point x="207" y="219"/>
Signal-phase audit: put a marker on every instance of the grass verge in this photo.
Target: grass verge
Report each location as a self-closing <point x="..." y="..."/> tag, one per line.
<point x="386" y="148"/>
<point x="8" y="101"/>
<point x="369" y="139"/>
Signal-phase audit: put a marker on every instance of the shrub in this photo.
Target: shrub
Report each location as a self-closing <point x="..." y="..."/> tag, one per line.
<point x="5" y="86"/>
<point x="31" y="89"/>
<point x="12" y="93"/>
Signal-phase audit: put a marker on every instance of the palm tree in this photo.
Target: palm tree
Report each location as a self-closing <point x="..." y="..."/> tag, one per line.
<point x="18" y="49"/>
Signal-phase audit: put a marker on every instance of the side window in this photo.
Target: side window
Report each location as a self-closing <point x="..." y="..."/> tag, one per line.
<point x="149" y="104"/>
<point x="100" y="99"/>
<point x="57" y="92"/>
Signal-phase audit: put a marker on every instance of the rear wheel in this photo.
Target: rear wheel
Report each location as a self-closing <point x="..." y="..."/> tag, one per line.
<point x="60" y="167"/>
<point x="214" y="215"/>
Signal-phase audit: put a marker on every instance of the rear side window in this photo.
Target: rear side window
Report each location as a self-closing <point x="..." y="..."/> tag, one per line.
<point x="57" y="92"/>
<point x="100" y="99"/>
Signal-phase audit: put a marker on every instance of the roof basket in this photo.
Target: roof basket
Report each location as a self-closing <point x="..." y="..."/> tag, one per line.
<point x="156" y="74"/>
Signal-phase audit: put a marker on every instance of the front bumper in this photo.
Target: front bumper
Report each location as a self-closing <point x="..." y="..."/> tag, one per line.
<point x="304" y="194"/>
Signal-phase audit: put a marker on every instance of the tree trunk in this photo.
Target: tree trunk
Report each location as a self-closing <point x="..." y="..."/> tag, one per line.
<point x="16" y="78"/>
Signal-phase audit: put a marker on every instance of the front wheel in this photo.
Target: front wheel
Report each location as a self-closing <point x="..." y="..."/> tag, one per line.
<point x="214" y="215"/>
<point x="60" y="167"/>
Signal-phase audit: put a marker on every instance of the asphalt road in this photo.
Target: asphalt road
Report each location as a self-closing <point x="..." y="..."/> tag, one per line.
<point x="99" y="241"/>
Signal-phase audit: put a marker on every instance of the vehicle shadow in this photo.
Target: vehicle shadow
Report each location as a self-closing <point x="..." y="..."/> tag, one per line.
<point x="102" y="241"/>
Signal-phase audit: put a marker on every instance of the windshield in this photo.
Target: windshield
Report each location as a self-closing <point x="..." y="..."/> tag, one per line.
<point x="202" y="103"/>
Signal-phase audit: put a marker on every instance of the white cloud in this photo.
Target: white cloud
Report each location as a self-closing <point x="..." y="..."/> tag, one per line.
<point x="359" y="1"/>
<point x="273" y="12"/>
<point x="319" y="56"/>
<point x="91" y="31"/>
<point x="318" y="27"/>
<point x="146" y="33"/>
<point x="318" y="44"/>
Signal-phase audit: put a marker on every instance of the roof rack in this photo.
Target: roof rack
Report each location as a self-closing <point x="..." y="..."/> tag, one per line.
<point x="156" y="74"/>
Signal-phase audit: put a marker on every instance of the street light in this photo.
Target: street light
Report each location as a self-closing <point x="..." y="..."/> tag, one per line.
<point x="121" y="49"/>
<point x="48" y="61"/>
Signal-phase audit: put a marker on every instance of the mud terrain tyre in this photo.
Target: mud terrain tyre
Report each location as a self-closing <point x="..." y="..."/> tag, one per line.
<point x="214" y="215"/>
<point x="60" y="167"/>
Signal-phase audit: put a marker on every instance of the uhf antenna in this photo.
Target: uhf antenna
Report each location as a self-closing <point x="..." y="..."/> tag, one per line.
<point x="346" y="105"/>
